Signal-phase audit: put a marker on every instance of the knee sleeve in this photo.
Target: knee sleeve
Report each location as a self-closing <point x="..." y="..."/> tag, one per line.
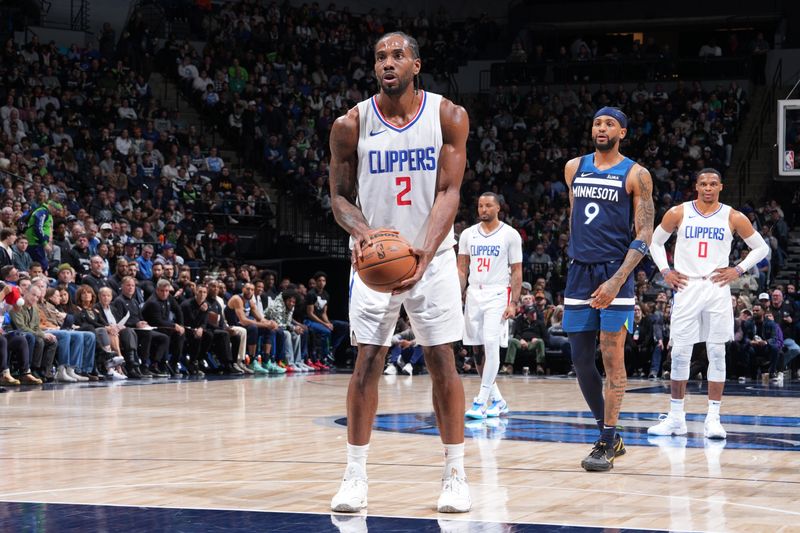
<point x="681" y="359"/>
<point x="583" y="345"/>
<point x="716" y="361"/>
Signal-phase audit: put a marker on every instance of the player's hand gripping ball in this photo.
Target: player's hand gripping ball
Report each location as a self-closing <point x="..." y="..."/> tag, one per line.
<point x="386" y="260"/>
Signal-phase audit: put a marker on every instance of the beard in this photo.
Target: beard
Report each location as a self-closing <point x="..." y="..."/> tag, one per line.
<point x="606" y="146"/>
<point x="400" y="88"/>
<point x="486" y="217"/>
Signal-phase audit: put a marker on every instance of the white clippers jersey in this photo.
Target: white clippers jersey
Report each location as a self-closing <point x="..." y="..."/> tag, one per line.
<point x="490" y="256"/>
<point x="704" y="242"/>
<point x="397" y="169"/>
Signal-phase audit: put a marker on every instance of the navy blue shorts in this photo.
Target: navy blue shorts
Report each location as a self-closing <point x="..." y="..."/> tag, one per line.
<point x="582" y="280"/>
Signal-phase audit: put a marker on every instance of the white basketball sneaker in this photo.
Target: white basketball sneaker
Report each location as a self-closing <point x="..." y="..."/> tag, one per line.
<point x="713" y="428"/>
<point x="497" y="408"/>
<point x="455" y="495"/>
<point x="669" y="424"/>
<point x="478" y="409"/>
<point x="352" y="495"/>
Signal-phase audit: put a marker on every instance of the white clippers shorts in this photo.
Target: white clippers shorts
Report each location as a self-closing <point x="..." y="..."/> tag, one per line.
<point x="483" y="314"/>
<point x="701" y="312"/>
<point x="433" y="306"/>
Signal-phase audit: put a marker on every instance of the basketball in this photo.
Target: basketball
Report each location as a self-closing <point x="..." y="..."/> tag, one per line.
<point x="386" y="261"/>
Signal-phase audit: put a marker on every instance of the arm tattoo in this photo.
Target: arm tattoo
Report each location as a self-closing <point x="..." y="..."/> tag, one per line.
<point x="643" y="220"/>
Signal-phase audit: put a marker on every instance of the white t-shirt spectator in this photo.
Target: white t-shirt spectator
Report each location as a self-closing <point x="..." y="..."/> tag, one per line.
<point x="188" y="71"/>
<point x="123" y="145"/>
<point x="127" y="113"/>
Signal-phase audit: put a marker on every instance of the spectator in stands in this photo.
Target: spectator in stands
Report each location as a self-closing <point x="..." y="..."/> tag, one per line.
<point x="786" y="317"/>
<point x="161" y="311"/>
<point x="21" y="258"/>
<point x="404" y="352"/>
<point x="15" y="345"/>
<point x="241" y="311"/>
<point x="217" y="322"/>
<point x="280" y="309"/>
<point x="75" y="348"/>
<point x="107" y="335"/>
<point x="25" y="318"/>
<point x="529" y="337"/>
<point x="330" y="332"/>
<point x="639" y="344"/>
<point x="8" y="236"/>
<point x="765" y="340"/>
<point x="149" y="358"/>
<point x="540" y="261"/>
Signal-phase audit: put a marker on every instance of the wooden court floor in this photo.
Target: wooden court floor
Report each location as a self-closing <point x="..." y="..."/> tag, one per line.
<point x="278" y="444"/>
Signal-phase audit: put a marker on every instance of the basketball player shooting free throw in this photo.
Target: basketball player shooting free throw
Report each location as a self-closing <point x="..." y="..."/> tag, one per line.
<point x="397" y="161"/>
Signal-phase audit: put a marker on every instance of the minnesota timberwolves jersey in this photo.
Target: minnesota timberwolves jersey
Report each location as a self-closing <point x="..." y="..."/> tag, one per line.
<point x="704" y="241"/>
<point x="398" y="167"/>
<point x="602" y="212"/>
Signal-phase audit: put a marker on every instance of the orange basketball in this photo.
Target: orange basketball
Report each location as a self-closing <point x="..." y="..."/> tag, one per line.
<point x="386" y="261"/>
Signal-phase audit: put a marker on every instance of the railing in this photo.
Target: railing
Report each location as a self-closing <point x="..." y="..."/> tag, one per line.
<point x="308" y="228"/>
<point x="79" y="16"/>
<point x="618" y="71"/>
<point x="765" y="115"/>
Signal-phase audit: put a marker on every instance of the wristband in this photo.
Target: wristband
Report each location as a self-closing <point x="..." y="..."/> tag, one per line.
<point x="665" y="272"/>
<point x="640" y="246"/>
<point x="740" y="270"/>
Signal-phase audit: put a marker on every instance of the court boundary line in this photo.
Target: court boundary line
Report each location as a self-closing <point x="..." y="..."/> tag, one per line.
<point x="439" y="516"/>
<point x="689" y="499"/>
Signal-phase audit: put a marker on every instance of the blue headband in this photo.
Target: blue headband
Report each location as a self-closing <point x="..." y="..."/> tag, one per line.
<point x="615" y="113"/>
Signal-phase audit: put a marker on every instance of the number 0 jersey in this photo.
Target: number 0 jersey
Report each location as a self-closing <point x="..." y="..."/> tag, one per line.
<point x="602" y="212"/>
<point x="703" y="242"/>
<point x="398" y="168"/>
<point x="490" y="255"/>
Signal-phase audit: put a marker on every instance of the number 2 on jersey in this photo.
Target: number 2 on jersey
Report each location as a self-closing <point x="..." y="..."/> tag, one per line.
<point x="484" y="263"/>
<point x="405" y="182"/>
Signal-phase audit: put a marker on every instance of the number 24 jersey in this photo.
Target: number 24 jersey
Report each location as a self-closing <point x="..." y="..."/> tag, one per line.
<point x="490" y="255"/>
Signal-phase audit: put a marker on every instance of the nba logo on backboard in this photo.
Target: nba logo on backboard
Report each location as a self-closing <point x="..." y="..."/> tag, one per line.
<point x="788" y="160"/>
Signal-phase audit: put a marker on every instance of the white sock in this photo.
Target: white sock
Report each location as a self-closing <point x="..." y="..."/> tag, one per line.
<point x="676" y="407"/>
<point x="713" y="407"/>
<point x="483" y="395"/>
<point x="495" y="395"/>
<point x="454" y="460"/>
<point x="357" y="458"/>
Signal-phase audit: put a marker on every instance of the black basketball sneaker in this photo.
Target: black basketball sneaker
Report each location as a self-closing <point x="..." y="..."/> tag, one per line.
<point x="619" y="446"/>
<point x="601" y="458"/>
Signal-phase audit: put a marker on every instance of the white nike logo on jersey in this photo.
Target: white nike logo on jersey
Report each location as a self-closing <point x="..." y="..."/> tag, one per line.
<point x="584" y="174"/>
